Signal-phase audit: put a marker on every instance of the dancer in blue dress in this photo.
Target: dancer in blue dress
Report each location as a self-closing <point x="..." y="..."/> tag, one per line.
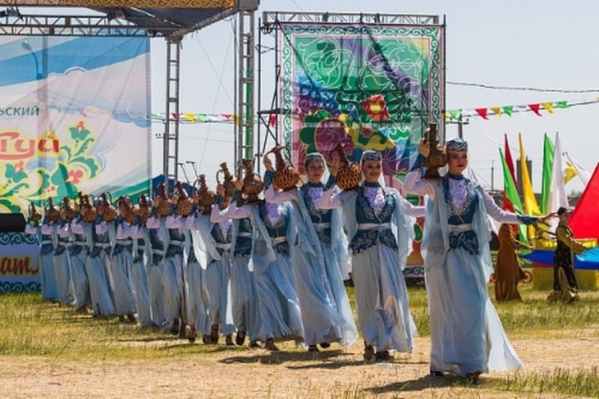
<point x="467" y="337"/>
<point x="320" y="253"/>
<point x="244" y="304"/>
<point x="272" y="252"/>
<point x="380" y="234"/>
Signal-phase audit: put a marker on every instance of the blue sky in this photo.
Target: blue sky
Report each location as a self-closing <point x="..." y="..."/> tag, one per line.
<point x="537" y="44"/>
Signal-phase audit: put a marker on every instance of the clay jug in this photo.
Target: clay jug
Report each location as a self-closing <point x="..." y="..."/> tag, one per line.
<point x="143" y="208"/>
<point x="34" y="215"/>
<point x="349" y="174"/>
<point x="126" y="209"/>
<point x="205" y="197"/>
<point x="88" y="211"/>
<point x="67" y="212"/>
<point x="184" y="203"/>
<point x="286" y="176"/>
<point x="252" y="183"/>
<point x="51" y="211"/>
<point x="437" y="157"/>
<point x="228" y="179"/>
<point x="109" y="213"/>
<point x="163" y="204"/>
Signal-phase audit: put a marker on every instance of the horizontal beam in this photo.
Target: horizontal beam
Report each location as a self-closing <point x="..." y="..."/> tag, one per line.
<point x="122" y="3"/>
<point x="45" y="25"/>
<point x="274" y="17"/>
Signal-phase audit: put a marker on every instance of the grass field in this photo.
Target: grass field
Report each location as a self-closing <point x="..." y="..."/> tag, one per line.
<point x="56" y="338"/>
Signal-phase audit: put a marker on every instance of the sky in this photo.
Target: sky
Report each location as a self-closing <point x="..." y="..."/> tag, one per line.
<point x="534" y="44"/>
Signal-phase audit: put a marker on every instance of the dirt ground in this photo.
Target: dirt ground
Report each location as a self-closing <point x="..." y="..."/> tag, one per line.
<point x="256" y="373"/>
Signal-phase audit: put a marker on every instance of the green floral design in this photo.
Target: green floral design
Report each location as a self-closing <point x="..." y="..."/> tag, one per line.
<point x="55" y="176"/>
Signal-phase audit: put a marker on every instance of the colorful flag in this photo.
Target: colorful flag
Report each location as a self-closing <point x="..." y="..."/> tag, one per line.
<point x="585" y="218"/>
<point x="548" y="150"/>
<point x="511" y="192"/>
<point x="581" y="172"/>
<point x="530" y="202"/>
<point x="570" y="172"/>
<point x="507" y="205"/>
<point x="557" y="189"/>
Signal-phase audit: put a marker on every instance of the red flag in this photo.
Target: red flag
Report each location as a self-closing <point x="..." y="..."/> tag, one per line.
<point x="535" y="108"/>
<point x="585" y="218"/>
<point x="507" y="205"/>
<point x="482" y="112"/>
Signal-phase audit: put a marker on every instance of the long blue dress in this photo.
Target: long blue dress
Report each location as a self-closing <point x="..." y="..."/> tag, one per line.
<point x="244" y="304"/>
<point x="159" y="238"/>
<point x="196" y="291"/>
<point x="466" y="333"/>
<point x="142" y="254"/>
<point x="321" y="249"/>
<point x="62" y="262"/>
<point x="380" y="231"/>
<point x="121" y="263"/>
<point x="216" y="246"/>
<point x="173" y="276"/>
<point x="278" y="305"/>
<point x="98" y="243"/>
<point x="47" y="270"/>
<point x="79" y="252"/>
<point x="46" y="256"/>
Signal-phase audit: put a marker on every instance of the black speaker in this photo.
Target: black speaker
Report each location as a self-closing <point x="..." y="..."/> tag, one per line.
<point x="12" y="223"/>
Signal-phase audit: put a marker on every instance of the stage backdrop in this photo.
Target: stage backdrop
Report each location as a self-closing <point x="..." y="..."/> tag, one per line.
<point x="364" y="86"/>
<point x="74" y="116"/>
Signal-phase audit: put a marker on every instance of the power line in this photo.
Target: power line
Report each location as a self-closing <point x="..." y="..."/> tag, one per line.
<point x="520" y="88"/>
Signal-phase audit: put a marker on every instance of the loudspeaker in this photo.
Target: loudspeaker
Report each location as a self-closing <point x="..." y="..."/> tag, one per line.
<point x="12" y="223"/>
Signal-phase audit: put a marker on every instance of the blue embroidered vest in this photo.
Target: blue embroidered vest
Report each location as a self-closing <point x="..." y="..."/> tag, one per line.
<point x="318" y="216"/>
<point x="243" y="244"/>
<point x="366" y="238"/>
<point x="277" y="231"/>
<point x="466" y="239"/>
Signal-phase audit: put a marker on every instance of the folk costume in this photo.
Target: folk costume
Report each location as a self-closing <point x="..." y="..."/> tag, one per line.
<point x="243" y="301"/>
<point x="142" y="254"/>
<point x="43" y="233"/>
<point x="272" y="249"/>
<point x="121" y="264"/>
<point x="78" y="253"/>
<point x="380" y="231"/>
<point x="97" y="266"/>
<point x="62" y="262"/>
<point x="47" y="269"/>
<point x="467" y="337"/>
<point x="321" y="250"/>
<point x="159" y="239"/>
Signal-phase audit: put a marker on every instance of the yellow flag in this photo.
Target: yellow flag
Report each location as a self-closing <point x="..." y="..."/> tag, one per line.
<point x="569" y="173"/>
<point x="189" y="116"/>
<point x="530" y="203"/>
<point x="548" y="107"/>
<point x="496" y="110"/>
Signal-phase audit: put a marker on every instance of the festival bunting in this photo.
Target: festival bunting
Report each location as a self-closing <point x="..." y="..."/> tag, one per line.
<point x="537" y="108"/>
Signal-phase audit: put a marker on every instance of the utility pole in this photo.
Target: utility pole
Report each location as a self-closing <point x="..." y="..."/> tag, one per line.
<point x="460" y="122"/>
<point x="492" y="175"/>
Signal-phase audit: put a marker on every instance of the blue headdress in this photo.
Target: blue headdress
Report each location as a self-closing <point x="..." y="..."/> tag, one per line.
<point x="371" y="155"/>
<point x="313" y="156"/>
<point x="456" y="144"/>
